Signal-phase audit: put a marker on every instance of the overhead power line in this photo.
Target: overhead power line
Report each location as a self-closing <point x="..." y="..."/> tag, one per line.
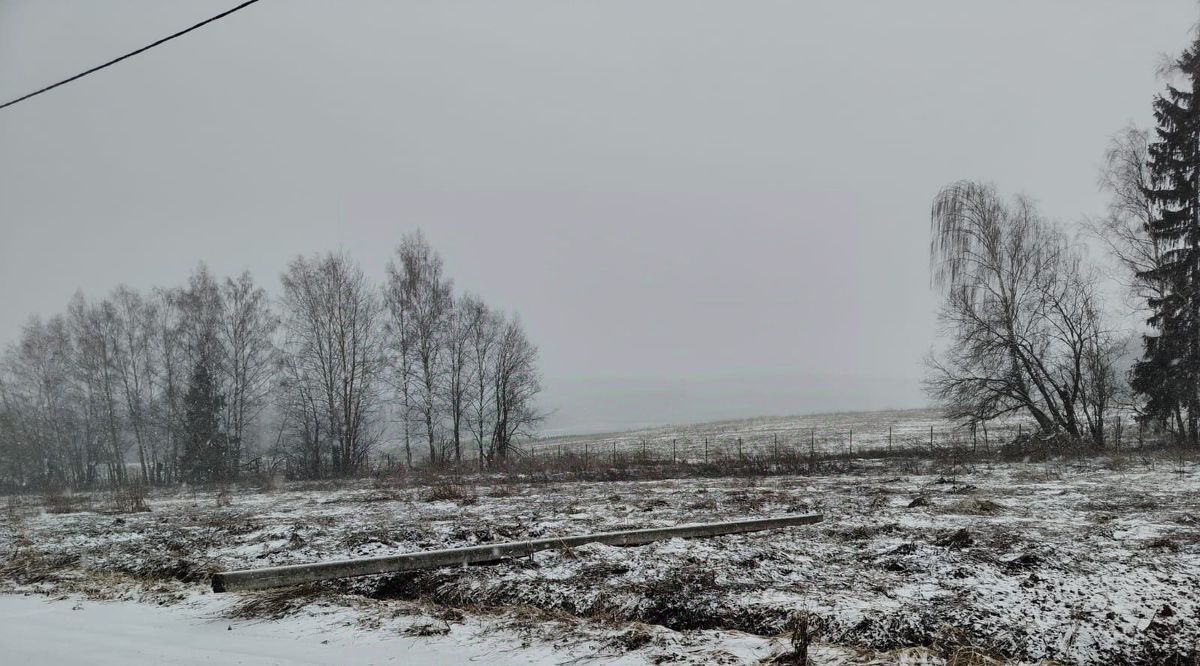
<point x="130" y="54"/>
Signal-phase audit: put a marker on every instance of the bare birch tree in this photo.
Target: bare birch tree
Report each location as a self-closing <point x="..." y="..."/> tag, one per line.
<point x="483" y="329"/>
<point x="515" y="384"/>
<point x="415" y="278"/>
<point x="1025" y="327"/>
<point x="400" y="350"/>
<point x="457" y="384"/>
<point x="170" y="382"/>
<point x="333" y="324"/>
<point x="247" y="329"/>
<point x="135" y="318"/>
<point x="1123" y="230"/>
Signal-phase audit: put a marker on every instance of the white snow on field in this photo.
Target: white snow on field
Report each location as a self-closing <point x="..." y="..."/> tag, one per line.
<point x="840" y="432"/>
<point x="1090" y="562"/>
<point x="35" y="630"/>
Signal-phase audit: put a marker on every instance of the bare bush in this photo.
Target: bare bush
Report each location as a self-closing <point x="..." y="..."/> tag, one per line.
<point x="56" y="500"/>
<point x="451" y="492"/>
<point x="130" y="498"/>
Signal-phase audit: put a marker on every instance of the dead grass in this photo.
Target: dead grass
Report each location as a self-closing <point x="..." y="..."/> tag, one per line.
<point x="1123" y="504"/>
<point x="130" y="499"/>
<point x="955" y="540"/>
<point x="276" y="604"/>
<point x="1163" y="542"/>
<point x="56" y="500"/>
<point x="451" y="492"/>
<point x="864" y="532"/>
<point x="976" y="507"/>
<point x="427" y="628"/>
<point x="703" y="504"/>
<point x="27" y="567"/>
<point x="971" y="656"/>
<point x="856" y="550"/>
<point x="636" y="637"/>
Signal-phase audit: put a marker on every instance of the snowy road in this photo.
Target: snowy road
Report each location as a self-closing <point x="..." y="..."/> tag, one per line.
<point x="35" y="631"/>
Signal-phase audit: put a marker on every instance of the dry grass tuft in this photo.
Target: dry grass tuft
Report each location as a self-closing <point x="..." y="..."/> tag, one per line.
<point x="956" y="540"/>
<point x="275" y="604"/>
<point x="1162" y="542"/>
<point x="130" y="499"/>
<point x="451" y="492"/>
<point x="26" y="568"/>
<point x="971" y="656"/>
<point x="977" y="507"/>
<point x="427" y="628"/>
<point x="864" y="532"/>
<point x="55" y="500"/>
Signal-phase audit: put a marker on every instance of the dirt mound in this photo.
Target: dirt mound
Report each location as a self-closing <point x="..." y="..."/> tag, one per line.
<point x="977" y="507"/>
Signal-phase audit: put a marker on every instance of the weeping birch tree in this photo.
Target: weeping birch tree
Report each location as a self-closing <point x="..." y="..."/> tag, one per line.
<point x="1024" y="325"/>
<point x="515" y="385"/>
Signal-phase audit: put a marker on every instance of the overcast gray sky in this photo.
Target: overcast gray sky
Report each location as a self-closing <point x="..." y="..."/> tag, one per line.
<point x="700" y="209"/>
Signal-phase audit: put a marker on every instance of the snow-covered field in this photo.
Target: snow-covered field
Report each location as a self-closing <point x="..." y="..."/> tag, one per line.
<point x="1094" y="562"/>
<point x="37" y="630"/>
<point x="838" y="432"/>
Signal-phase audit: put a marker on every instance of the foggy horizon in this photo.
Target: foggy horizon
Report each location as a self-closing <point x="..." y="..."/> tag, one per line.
<point x="678" y="208"/>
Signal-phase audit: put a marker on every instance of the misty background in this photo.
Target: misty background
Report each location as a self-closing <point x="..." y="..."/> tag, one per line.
<point x="701" y="210"/>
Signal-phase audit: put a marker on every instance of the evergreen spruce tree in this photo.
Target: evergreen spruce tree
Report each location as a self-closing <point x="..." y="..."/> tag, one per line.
<point x="205" y="445"/>
<point x="1168" y="376"/>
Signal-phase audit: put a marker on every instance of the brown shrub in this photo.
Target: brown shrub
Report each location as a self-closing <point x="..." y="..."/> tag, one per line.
<point x="55" y="500"/>
<point x="451" y="492"/>
<point x="130" y="499"/>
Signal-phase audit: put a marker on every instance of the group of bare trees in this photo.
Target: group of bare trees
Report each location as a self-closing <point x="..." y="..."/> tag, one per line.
<point x="464" y="373"/>
<point x="204" y="382"/>
<point x="101" y="394"/>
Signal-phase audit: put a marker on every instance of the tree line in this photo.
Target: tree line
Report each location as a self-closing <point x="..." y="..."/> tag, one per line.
<point x="214" y="379"/>
<point x="1027" y="327"/>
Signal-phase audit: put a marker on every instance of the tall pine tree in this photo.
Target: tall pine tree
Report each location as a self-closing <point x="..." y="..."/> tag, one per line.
<point x="1168" y="375"/>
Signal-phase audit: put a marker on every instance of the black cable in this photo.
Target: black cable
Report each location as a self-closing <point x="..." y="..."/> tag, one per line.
<point x="130" y="54"/>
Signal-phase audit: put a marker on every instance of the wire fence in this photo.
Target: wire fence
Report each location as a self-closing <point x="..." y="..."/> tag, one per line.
<point x="779" y="447"/>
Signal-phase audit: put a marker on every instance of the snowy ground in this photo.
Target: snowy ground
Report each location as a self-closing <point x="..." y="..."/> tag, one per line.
<point x="35" y="630"/>
<point x="837" y="432"/>
<point x="1094" y="562"/>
